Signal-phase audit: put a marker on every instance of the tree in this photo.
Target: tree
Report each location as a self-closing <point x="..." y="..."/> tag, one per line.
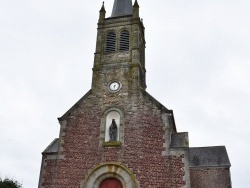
<point x="9" y="183"/>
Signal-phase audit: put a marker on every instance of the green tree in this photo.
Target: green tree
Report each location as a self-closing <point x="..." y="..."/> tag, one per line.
<point x="9" y="183"/>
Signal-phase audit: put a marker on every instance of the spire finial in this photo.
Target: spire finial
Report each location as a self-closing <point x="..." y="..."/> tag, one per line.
<point x="102" y="14"/>
<point x="103" y="8"/>
<point x="136" y="3"/>
<point x="136" y="10"/>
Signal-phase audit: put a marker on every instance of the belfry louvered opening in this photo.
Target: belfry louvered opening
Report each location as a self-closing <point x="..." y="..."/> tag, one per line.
<point x="124" y="41"/>
<point x="110" y="41"/>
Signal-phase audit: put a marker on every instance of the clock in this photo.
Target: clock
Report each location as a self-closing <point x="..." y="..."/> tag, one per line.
<point x="114" y="86"/>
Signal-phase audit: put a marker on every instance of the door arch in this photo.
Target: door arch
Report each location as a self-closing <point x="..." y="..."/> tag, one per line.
<point x="104" y="171"/>
<point x="111" y="183"/>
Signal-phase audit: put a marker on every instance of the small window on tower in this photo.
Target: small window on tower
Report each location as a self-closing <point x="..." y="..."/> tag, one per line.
<point x="124" y="41"/>
<point x="110" y="41"/>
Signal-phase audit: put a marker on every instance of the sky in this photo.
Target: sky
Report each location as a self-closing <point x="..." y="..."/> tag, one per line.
<point x="197" y="61"/>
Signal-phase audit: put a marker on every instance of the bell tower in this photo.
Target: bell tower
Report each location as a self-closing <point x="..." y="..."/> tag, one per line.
<point x="120" y="49"/>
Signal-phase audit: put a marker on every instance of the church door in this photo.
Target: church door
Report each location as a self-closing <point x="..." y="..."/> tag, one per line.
<point x="111" y="183"/>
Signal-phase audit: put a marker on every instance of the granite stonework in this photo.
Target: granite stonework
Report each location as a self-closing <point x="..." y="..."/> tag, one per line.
<point x="149" y="152"/>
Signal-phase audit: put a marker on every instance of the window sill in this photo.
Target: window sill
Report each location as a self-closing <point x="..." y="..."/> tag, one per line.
<point x="111" y="144"/>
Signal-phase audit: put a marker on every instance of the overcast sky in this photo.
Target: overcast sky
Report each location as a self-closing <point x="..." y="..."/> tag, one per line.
<point x="197" y="61"/>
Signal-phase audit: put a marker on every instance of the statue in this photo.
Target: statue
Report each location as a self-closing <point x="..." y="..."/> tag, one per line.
<point x="113" y="131"/>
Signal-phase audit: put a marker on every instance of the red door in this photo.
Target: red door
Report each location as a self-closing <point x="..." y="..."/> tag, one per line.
<point x="111" y="183"/>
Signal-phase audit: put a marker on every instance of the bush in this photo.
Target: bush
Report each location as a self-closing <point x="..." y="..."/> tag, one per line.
<point x="9" y="183"/>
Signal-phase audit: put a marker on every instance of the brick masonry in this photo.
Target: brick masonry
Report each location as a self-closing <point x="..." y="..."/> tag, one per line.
<point x="214" y="177"/>
<point x="141" y="150"/>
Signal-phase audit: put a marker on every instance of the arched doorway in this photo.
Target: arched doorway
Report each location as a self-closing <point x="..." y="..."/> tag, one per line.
<point x="110" y="175"/>
<point x="111" y="183"/>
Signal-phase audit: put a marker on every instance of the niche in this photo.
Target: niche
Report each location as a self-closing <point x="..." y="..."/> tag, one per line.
<point x="111" y="133"/>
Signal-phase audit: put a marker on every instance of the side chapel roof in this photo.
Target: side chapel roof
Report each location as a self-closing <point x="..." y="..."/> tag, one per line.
<point x="215" y="156"/>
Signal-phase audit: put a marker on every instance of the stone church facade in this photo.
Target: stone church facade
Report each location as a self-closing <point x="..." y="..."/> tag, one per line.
<point x="142" y="148"/>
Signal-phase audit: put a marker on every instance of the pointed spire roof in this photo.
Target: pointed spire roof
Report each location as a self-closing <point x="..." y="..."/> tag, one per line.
<point x="122" y="8"/>
<point x="103" y="8"/>
<point x="136" y="3"/>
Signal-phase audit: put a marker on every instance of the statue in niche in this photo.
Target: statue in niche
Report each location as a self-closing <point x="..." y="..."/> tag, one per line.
<point x="113" y="131"/>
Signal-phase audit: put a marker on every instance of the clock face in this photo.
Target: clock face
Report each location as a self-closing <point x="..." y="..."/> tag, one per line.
<point x="114" y="86"/>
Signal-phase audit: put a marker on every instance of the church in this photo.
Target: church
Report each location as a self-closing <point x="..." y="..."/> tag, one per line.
<point x="118" y="135"/>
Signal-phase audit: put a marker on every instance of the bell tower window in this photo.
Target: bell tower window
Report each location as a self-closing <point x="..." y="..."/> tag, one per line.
<point x="110" y="42"/>
<point x="124" y="41"/>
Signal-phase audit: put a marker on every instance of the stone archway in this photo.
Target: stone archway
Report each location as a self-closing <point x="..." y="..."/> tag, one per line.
<point x="111" y="172"/>
<point x="111" y="183"/>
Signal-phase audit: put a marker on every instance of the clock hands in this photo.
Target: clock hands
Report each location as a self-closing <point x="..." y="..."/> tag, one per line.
<point x="114" y="86"/>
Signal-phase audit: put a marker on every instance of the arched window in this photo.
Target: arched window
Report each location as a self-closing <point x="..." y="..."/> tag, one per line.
<point x="110" y="41"/>
<point x="124" y="41"/>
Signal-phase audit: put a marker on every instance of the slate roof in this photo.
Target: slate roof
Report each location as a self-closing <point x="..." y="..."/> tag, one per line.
<point x="122" y="8"/>
<point x="214" y="156"/>
<point x="52" y="148"/>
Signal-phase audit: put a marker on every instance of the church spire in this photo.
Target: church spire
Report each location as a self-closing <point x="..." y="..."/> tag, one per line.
<point x="122" y="8"/>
